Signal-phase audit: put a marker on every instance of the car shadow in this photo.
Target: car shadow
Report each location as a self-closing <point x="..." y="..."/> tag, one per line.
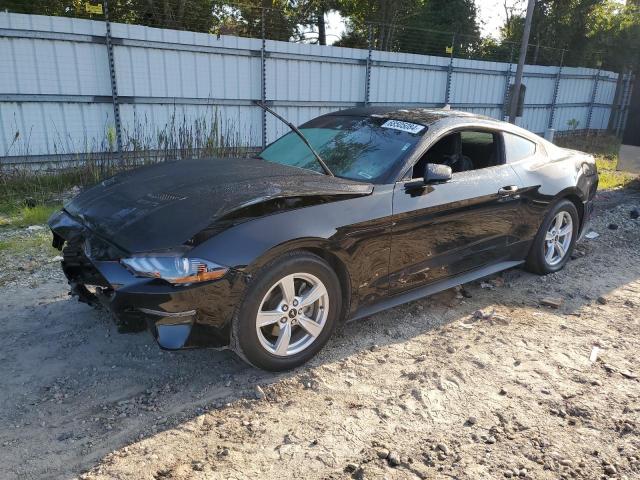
<point x="74" y="389"/>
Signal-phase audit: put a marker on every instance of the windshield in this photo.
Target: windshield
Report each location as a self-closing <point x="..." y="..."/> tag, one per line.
<point x="358" y="148"/>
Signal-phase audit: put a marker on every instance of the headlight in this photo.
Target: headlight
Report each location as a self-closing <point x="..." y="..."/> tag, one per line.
<point x="174" y="269"/>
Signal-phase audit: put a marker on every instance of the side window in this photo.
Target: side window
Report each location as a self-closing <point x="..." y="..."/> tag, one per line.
<point x="442" y="153"/>
<point x="481" y="147"/>
<point x="463" y="151"/>
<point x="516" y="148"/>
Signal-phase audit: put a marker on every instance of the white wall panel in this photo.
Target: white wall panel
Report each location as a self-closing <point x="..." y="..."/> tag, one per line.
<point x="55" y="92"/>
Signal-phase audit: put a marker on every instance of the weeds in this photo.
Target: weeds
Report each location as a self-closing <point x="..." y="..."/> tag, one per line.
<point x="30" y="190"/>
<point x="25" y="216"/>
<point x="16" y="246"/>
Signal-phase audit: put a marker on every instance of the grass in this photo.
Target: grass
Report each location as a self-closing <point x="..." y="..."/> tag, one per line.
<point x="605" y="150"/>
<point x="29" y="196"/>
<point x="30" y="192"/>
<point x="13" y="216"/>
<point x="610" y="177"/>
<point x="17" y="246"/>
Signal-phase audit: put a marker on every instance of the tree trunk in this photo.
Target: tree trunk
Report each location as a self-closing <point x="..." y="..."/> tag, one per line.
<point x="322" y="28"/>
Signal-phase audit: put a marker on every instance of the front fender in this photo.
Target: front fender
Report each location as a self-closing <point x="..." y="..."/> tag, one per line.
<point x="356" y="230"/>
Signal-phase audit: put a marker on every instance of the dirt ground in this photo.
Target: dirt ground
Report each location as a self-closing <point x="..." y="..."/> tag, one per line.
<point x="483" y="382"/>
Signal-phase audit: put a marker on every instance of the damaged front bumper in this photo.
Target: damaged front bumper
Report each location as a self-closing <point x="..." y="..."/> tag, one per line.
<point x="196" y="315"/>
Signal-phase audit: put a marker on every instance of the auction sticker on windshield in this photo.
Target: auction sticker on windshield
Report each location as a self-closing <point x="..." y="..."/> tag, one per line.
<point x="403" y="126"/>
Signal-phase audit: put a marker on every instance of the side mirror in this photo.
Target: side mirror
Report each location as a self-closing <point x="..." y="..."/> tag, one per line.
<point x="434" y="172"/>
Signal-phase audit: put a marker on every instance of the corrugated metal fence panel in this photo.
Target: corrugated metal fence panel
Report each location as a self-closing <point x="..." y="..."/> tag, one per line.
<point x="486" y="87"/>
<point x="31" y="66"/>
<point x="37" y="128"/>
<point x="315" y="73"/>
<point x="45" y="23"/>
<point x="393" y="80"/>
<point x="607" y="89"/>
<point x="167" y="71"/>
<point x="295" y="114"/>
<point x="55" y="92"/>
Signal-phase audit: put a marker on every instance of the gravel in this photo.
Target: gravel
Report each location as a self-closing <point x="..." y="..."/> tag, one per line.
<point x="445" y="394"/>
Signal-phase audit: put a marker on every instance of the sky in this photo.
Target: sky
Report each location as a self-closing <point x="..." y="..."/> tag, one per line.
<point x="491" y="16"/>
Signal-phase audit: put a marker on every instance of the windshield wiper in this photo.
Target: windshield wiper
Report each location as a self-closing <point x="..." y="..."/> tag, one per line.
<point x="297" y="131"/>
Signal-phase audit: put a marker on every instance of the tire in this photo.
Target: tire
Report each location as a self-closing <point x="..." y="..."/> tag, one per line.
<point x="307" y="329"/>
<point x="540" y="260"/>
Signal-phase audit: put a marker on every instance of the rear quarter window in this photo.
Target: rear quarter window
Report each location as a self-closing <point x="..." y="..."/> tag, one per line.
<point x="517" y="148"/>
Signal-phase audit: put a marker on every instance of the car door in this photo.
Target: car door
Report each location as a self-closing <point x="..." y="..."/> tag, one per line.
<point x="444" y="229"/>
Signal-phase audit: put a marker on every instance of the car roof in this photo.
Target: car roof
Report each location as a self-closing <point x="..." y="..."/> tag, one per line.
<point x="424" y="116"/>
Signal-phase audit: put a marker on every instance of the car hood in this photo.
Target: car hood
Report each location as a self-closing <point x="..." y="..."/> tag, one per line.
<point x="163" y="206"/>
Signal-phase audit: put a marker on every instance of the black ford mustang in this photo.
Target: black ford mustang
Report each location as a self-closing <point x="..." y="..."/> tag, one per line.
<point x="359" y="211"/>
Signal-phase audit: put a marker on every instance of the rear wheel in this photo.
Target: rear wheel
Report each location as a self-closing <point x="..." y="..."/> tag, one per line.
<point x="288" y="314"/>
<point x="555" y="240"/>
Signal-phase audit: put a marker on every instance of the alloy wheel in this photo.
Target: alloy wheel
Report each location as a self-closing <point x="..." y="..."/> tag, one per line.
<point x="292" y="314"/>
<point x="558" y="238"/>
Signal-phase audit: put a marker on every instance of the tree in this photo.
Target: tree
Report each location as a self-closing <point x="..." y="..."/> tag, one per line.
<point x="193" y="15"/>
<point x="416" y="26"/>
<point x="594" y="33"/>
<point x="615" y="29"/>
<point x="384" y="17"/>
<point x="431" y="29"/>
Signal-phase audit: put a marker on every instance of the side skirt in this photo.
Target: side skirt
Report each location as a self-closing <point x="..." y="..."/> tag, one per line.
<point x="430" y="289"/>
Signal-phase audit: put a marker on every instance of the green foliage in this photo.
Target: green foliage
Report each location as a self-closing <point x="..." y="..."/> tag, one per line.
<point x="25" y="192"/>
<point x="412" y="26"/>
<point x="615" y="30"/>
<point x="17" y="246"/>
<point x="439" y="17"/>
<point x="573" y="123"/>
<point x="595" y="33"/>
<point x="25" y="215"/>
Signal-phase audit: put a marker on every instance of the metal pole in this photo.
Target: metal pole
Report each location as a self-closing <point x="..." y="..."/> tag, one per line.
<point x="515" y="97"/>
<point x="114" y="83"/>
<point x="625" y="110"/>
<point x="367" y="80"/>
<point x="594" y="93"/>
<point x="622" y="101"/>
<point x="263" y="79"/>
<point x="556" y="89"/>
<point x="507" y="81"/>
<point x="447" y="93"/>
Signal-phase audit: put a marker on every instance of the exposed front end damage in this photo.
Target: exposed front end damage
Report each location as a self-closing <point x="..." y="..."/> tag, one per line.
<point x="184" y="316"/>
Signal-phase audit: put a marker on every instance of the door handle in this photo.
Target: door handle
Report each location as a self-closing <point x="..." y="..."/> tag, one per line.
<point x="508" y="191"/>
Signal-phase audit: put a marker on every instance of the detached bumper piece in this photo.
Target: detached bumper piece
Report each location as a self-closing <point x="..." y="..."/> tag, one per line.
<point x="188" y="316"/>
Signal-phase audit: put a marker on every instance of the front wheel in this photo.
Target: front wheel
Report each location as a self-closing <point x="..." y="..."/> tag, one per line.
<point x="555" y="240"/>
<point x="288" y="313"/>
